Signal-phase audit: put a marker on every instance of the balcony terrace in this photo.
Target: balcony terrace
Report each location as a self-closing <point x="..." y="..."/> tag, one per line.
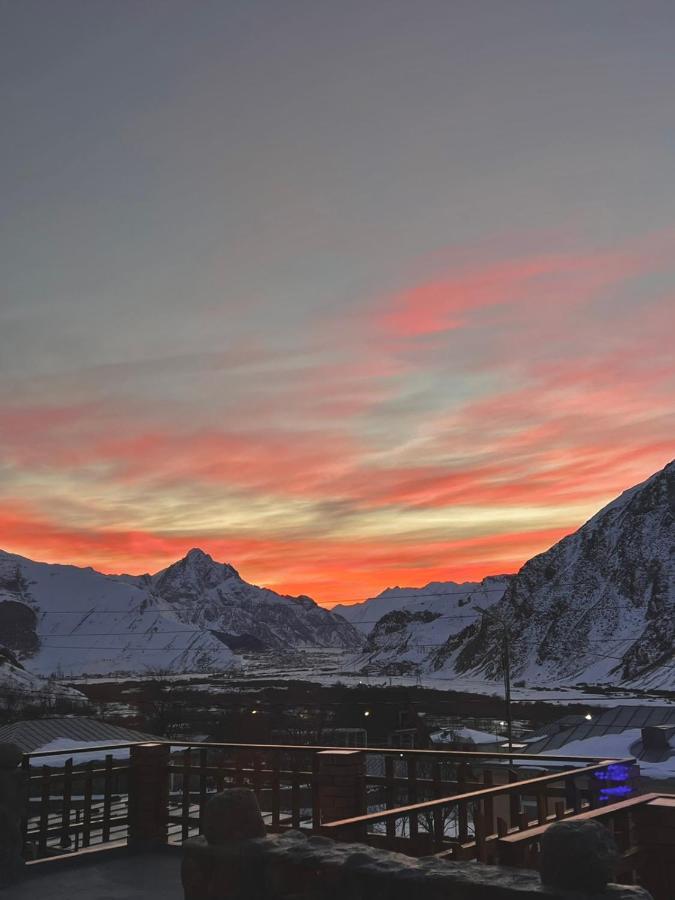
<point x="92" y="814"/>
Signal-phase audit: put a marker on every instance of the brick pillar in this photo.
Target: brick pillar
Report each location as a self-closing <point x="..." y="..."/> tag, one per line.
<point x="655" y="822"/>
<point x="148" y="796"/>
<point x="342" y="789"/>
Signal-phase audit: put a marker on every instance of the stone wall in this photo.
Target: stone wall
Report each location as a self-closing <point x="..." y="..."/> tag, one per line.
<point x="291" y="865"/>
<point x="232" y="861"/>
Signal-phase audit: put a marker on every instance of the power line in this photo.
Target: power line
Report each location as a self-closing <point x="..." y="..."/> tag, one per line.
<point x="420" y="594"/>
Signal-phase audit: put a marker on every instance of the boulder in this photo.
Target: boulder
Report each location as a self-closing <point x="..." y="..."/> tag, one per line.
<point x="578" y="855"/>
<point x="233" y="815"/>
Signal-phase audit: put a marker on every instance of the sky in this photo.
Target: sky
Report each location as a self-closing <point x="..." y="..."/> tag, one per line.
<point x="350" y="294"/>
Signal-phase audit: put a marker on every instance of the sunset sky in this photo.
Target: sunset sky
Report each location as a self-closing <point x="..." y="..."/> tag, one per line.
<point x="349" y="294"/>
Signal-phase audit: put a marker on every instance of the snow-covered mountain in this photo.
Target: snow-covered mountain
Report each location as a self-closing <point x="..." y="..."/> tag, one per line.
<point x="598" y="607"/>
<point x="433" y="597"/>
<point x="213" y="596"/>
<point x="404" y="625"/>
<point x="195" y="615"/>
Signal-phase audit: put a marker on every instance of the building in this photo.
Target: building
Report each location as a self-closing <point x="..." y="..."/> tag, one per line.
<point x="646" y="733"/>
<point x="34" y="735"/>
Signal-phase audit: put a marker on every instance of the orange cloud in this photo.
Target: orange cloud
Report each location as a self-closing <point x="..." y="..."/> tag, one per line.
<point x="329" y="570"/>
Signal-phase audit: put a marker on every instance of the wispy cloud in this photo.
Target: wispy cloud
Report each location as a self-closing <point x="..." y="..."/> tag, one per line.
<point x="448" y="429"/>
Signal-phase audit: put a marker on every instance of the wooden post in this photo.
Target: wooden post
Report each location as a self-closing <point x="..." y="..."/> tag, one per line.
<point x="148" y="796"/>
<point x="655" y="823"/>
<point x="341" y="775"/>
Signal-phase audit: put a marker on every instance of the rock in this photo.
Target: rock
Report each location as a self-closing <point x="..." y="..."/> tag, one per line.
<point x="579" y="855"/>
<point x="233" y="815"/>
<point x="10" y="756"/>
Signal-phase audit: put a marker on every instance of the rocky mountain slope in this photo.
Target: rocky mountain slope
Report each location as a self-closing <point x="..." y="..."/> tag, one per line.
<point x="19" y="688"/>
<point x="195" y="615"/>
<point x="598" y="607"/>
<point x="404" y="625"/>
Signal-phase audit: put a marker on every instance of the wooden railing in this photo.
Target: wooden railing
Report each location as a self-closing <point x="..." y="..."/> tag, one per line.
<point x="522" y="849"/>
<point x="75" y="805"/>
<point x="467" y="825"/>
<point x="454" y="800"/>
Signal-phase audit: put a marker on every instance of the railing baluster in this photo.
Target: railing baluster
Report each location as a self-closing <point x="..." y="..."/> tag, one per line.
<point x="390" y="794"/>
<point x="316" y="809"/>
<point x="256" y="777"/>
<point x="514" y="801"/>
<point x="479" y="831"/>
<point x="462" y="812"/>
<point x="573" y="795"/>
<point x="25" y="766"/>
<point x="276" y="789"/>
<point x="185" y="794"/>
<point x="203" y="763"/>
<point x="488" y="804"/>
<point x="107" y="797"/>
<point x="220" y="774"/>
<point x="77" y="830"/>
<point x="542" y="806"/>
<point x="45" y="794"/>
<point x="412" y="796"/>
<point x="67" y="792"/>
<point x="87" y="792"/>
<point x="593" y="792"/>
<point x="437" y="817"/>
<point x="295" y="792"/>
<point x="436" y="780"/>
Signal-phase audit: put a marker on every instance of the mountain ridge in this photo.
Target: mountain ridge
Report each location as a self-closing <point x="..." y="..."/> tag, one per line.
<point x="595" y="607"/>
<point x="189" y="616"/>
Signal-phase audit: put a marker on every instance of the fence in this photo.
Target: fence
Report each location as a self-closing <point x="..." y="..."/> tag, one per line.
<point x="72" y="806"/>
<point x="454" y="800"/>
<point x="468" y="824"/>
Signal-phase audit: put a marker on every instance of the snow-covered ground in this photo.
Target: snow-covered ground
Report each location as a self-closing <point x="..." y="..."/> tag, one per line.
<point x="330" y="667"/>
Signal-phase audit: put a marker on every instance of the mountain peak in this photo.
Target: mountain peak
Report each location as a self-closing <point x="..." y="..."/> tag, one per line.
<point x="198" y="559"/>
<point x="196" y="554"/>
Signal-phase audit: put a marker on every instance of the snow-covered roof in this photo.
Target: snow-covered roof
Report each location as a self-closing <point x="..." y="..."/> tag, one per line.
<point x="472" y="735"/>
<point x="620" y="746"/>
<point x="611" y="721"/>
<point x="68" y="746"/>
<point x="32" y="734"/>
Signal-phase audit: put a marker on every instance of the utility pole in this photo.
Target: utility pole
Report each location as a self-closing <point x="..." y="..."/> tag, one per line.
<point x="506" y="657"/>
<point x="507" y="691"/>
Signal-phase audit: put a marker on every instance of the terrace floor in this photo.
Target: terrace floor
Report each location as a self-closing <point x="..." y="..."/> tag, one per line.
<point x="103" y="876"/>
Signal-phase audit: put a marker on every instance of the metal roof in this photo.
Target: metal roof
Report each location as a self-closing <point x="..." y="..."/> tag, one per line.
<point x="611" y="721"/>
<point x="35" y="733"/>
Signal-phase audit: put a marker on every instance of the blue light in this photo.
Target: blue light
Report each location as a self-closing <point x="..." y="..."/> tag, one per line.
<point x="617" y="782"/>
<point x="615" y="772"/>
<point x="621" y="790"/>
